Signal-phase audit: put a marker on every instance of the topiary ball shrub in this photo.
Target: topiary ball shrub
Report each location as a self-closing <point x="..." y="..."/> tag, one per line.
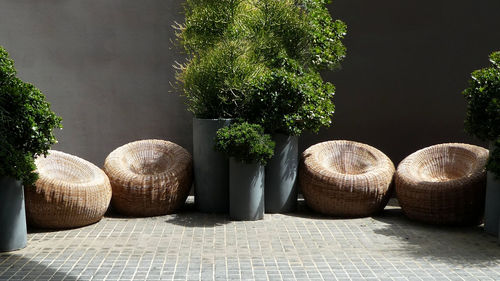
<point x="245" y="142"/>
<point x="483" y="108"/>
<point x="26" y="124"/>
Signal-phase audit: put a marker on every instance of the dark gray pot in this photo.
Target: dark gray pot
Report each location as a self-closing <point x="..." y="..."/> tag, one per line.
<point x="211" y="168"/>
<point x="13" y="234"/>
<point x="246" y="190"/>
<point x="492" y="205"/>
<point x="281" y="175"/>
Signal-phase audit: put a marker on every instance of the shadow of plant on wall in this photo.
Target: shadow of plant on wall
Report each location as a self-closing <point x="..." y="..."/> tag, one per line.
<point x="18" y="267"/>
<point x="459" y="246"/>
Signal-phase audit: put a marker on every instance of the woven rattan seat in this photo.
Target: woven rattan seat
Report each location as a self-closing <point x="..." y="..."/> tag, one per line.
<point x="345" y="178"/>
<point x="70" y="192"/>
<point x="443" y="184"/>
<point x="149" y="177"/>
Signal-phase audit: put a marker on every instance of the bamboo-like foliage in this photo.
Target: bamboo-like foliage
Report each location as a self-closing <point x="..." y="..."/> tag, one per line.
<point x="260" y="60"/>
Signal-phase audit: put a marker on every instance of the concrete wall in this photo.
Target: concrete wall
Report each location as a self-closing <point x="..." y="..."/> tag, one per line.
<point x="106" y="68"/>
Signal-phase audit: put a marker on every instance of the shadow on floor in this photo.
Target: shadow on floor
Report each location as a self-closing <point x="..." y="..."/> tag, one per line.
<point x="32" y="229"/>
<point x="303" y="211"/>
<point x="35" y="229"/>
<point x="20" y="268"/>
<point x="188" y="216"/>
<point x="460" y="246"/>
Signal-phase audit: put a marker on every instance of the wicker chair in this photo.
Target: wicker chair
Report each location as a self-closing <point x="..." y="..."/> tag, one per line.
<point x="149" y="177"/>
<point x="70" y="192"/>
<point x="345" y="178"/>
<point x="443" y="184"/>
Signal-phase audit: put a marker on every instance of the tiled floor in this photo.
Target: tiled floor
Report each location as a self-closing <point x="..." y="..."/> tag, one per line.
<point x="299" y="246"/>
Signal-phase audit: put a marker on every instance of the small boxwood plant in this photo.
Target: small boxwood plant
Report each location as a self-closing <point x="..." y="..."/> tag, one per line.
<point x="26" y="124"/>
<point x="483" y="109"/>
<point x="260" y="61"/>
<point x="245" y="142"/>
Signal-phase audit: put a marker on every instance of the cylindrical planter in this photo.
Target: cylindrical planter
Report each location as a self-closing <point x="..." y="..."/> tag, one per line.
<point x="281" y="175"/>
<point x="13" y="234"/>
<point x="492" y="205"/>
<point x="246" y="190"/>
<point x="211" y="168"/>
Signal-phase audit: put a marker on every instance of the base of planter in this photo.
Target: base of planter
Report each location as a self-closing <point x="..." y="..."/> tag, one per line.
<point x="492" y="205"/>
<point x="211" y="168"/>
<point x="13" y="233"/>
<point x="246" y="191"/>
<point x="281" y="175"/>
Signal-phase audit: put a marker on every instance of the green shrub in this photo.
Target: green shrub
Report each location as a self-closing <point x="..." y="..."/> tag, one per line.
<point x="493" y="164"/>
<point x="260" y="61"/>
<point x="483" y="108"/>
<point x="26" y="124"/>
<point x="245" y="142"/>
<point x="290" y="101"/>
<point x="216" y="81"/>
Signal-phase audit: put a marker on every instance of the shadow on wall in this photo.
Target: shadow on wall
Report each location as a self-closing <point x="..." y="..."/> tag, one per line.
<point x="460" y="246"/>
<point x="22" y="268"/>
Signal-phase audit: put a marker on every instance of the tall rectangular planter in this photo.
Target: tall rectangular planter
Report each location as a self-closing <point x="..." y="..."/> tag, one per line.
<point x="281" y="175"/>
<point x="492" y="205"/>
<point x="246" y="185"/>
<point x="13" y="233"/>
<point x="211" y="168"/>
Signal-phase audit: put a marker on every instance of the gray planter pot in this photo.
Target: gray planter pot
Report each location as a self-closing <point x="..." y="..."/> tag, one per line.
<point x="492" y="205"/>
<point x="281" y="175"/>
<point x="211" y="168"/>
<point x="246" y="190"/>
<point x="13" y="234"/>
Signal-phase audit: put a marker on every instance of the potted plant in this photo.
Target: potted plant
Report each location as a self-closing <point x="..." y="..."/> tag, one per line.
<point x="26" y="124"/>
<point x="260" y="61"/>
<point x="249" y="149"/>
<point x="212" y="82"/>
<point x="483" y="121"/>
<point x="295" y="40"/>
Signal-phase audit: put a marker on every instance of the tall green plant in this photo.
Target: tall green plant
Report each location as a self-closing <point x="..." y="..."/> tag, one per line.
<point x="26" y="124"/>
<point x="483" y="108"/>
<point x="260" y="60"/>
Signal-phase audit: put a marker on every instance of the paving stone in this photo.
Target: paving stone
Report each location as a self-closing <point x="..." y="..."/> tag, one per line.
<point x="296" y="246"/>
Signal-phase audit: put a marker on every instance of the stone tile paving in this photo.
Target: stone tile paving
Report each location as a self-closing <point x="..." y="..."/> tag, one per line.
<point x="299" y="246"/>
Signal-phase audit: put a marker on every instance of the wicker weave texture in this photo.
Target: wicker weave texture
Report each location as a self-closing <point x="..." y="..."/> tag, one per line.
<point x="345" y="178"/>
<point x="70" y="192"/>
<point x="149" y="177"/>
<point x="443" y="184"/>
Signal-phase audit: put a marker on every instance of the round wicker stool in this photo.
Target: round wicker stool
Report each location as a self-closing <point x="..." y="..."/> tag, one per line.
<point x="149" y="177"/>
<point x="443" y="184"/>
<point x="70" y="192"/>
<point x="345" y="178"/>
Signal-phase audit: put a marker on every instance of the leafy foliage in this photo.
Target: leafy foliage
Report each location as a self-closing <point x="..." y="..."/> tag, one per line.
<point x="26" y="124"/>
<point x="245" y="142"/>
<point x="326" y="48"/>
<point x="483" y="106"/>
<point x="260" y="60"/>
<point x="290" y="100"/>
<point x="493" y="164"/>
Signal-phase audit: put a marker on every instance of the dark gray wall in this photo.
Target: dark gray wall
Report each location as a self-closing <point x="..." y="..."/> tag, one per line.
<point x="407" y="64"/>
<point x="106" y="66"/>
